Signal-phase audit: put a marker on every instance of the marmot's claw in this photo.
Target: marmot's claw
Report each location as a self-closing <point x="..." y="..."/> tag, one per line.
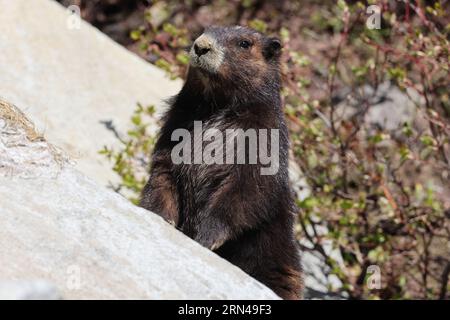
<point x="216" y="245"/>
<point x="211" y="243"/>
<point x="170" y="221"/>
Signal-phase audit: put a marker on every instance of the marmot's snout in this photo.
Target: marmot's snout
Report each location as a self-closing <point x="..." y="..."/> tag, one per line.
<point x="206" y="53"/>
<point x="202" y="45"/>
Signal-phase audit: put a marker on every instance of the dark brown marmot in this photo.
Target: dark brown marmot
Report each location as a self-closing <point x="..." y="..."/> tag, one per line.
<point x="234" y="209"/>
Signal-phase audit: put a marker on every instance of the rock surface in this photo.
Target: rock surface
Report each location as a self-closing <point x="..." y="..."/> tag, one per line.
<point x="69" y="79"/>
<point x="60" y="226"/>
<point x="28" y="290"/>
<point x="389" y="108"/>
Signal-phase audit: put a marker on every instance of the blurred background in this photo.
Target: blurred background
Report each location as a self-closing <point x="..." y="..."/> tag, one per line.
<point x="367" y="101"/>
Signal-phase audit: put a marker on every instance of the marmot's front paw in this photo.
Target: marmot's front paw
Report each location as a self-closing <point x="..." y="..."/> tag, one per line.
<point x="211" y="244"/>
<point x="212" y="241"/>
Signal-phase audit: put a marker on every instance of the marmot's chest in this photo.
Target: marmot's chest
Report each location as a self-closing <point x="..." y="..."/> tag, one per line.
<point x="204" y="151"/>
<point x="212" y="149"/>
<point x="223" y="139"/>
<point x="222" y="148"/>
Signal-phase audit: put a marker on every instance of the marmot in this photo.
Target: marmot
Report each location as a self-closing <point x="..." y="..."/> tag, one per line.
<point x="233" y="82"/>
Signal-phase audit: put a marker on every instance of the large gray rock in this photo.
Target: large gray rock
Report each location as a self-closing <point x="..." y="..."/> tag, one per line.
<point x="28" y="290"/>
<point x="389" y="107"/>
<point x="62" y="227"/>
<point x="69" y="79"/>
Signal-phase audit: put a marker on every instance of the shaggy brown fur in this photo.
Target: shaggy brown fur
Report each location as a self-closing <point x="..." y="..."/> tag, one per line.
<point x="245" y="217"/>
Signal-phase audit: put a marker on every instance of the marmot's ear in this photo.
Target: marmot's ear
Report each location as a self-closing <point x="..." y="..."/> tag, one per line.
<point x="272" y="48"/>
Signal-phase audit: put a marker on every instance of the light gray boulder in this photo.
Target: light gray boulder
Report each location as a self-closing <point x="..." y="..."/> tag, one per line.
<point x="389" y="107"/>
<point x="69" y="78"/>
<point x="28" y="290"/>
<point x="62" y="227"/>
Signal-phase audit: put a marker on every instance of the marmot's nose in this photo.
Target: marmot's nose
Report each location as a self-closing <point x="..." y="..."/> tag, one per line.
<point x="199" y="50"/>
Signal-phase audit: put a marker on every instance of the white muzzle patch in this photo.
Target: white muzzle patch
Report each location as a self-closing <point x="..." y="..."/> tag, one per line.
<point x="212" y="59"/>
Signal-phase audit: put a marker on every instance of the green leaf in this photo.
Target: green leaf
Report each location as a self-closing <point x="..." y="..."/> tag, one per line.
<point x="135" y="35"/>
<point x="136" y="119"/>
<point x="258" y="25"/>
<point x="346" y="204"/>
<point x="183" y="58"/>
<point x="427" y="140"/>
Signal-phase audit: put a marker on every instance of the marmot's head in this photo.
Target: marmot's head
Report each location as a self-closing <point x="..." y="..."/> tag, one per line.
<point x="236" y="57"/>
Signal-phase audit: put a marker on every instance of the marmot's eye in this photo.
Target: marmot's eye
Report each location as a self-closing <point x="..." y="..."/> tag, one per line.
<point x="245" y="44"/>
